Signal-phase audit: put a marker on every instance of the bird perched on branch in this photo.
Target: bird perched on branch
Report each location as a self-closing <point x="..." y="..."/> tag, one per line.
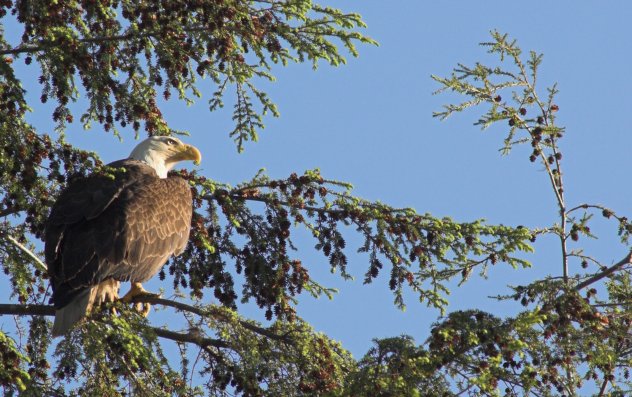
<point x="121" y="225"/>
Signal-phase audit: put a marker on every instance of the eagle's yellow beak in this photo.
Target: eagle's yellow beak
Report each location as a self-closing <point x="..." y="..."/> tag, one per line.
<point x="186" y="152"/>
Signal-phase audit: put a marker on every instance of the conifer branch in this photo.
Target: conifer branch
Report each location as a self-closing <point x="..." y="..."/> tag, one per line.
<point x="602" y="389"/>
<point x="44" y="45"/>
<point x="49" y="310"/>
<point x="189" y="337"/>
<point x="9" y="211"/>
<point x="29" y="310"/>
<point x="605" y="273"/>
<point x="37" y="261"/>
<point x="45" y="310"/>
<point x="205" y="312"/>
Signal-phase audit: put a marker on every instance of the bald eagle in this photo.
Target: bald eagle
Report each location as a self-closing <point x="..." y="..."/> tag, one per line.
<point x="103" y="230"/>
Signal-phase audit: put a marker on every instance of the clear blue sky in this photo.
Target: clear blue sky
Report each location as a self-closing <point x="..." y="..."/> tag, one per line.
<point x="369" y="123"/>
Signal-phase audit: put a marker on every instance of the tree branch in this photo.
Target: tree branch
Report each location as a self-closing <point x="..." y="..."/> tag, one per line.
<point x="49" y="310"/>
<point x="190" y="337"/>
<point x="43" y="45"/>
<point x="38" y="262"/>
<point x="206" y="311"/>
<point x="605" y="273"/>
<point x="266" y="200"/>
<point x="586" y="206"/>
<point x="9" y="211"/>
<point x="263" y="199"/>
<point x="613" y="304"/>
<point x="27" y="310"/>
<point x="44" y="310"/>
<point x="602" y="389"/>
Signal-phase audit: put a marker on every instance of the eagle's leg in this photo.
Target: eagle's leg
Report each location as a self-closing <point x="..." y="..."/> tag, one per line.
<point x="138" y="290"/>
<point x="104" y="292"/>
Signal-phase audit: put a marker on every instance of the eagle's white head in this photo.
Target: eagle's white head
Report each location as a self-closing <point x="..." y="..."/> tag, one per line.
<point x="163" y="152"/>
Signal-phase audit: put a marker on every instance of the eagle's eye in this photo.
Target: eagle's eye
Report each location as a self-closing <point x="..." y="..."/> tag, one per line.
<point x="171" y="141"/>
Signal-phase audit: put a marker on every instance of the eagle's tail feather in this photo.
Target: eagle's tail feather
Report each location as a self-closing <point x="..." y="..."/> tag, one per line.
<point x="72" y="313"/>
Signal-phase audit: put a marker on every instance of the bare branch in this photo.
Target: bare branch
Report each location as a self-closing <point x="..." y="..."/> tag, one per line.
<point x="9" y="211"/>
<point x="602" y="390"/>
<point x="30" y="310"/>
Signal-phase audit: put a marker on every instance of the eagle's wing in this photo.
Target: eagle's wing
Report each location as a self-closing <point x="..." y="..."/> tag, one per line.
<point x="83" y="200"/>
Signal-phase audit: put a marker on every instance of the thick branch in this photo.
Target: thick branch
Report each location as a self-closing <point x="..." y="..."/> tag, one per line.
<point x="49" y="310"/>
<point x="27" y="310"/>
<point x="605" y="273"/>
<point x="602" y="390"/>
<point x="9" y="211"/>
<point x="43" y="45"/>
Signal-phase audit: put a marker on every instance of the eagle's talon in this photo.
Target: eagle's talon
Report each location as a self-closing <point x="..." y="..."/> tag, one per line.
<point x="143" y="308"/>
<point x="137" y="290"/>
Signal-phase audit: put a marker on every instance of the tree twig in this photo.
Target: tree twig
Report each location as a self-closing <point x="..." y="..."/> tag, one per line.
<point x="614" y="304"/>
<point x="605" y="273"/>
<point x="38" y="262"/>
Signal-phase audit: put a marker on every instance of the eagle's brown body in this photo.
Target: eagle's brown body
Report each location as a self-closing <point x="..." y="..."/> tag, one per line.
<point x="104" y="230"/>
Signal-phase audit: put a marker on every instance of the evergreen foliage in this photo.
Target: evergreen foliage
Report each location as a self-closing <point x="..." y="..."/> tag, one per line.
<point x="120" y="56"/>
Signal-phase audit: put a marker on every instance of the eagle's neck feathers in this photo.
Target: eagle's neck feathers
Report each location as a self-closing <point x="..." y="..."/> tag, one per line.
<point x="155" y="161"/>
